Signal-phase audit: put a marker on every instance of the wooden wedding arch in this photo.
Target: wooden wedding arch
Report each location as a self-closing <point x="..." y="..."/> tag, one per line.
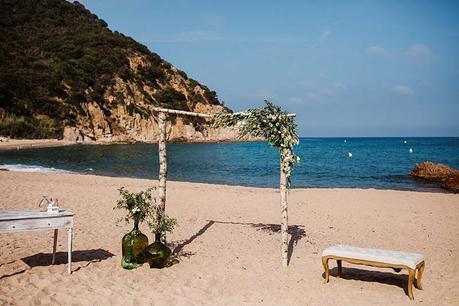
<point x="162" y="143"/>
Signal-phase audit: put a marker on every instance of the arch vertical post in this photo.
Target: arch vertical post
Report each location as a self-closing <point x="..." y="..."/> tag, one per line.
<point x="162" y="150"/>
<point x="284" y="213"/>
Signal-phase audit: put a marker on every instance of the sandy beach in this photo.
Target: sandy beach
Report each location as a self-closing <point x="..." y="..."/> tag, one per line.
<point x="228" y="245"/>
<point x="20" y="144"/>
<point x="220" y="108"/>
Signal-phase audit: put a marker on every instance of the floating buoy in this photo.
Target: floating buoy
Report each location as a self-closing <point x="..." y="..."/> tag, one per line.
<point x="349" y="154"/>
<point x="411" y="150"/>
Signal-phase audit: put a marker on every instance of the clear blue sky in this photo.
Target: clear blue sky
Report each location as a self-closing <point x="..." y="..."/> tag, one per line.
<point x="347" y="68"/>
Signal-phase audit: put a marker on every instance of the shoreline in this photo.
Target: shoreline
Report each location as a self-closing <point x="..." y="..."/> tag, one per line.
<point x="438" y="190"/>
<point x="228" y="244"/>
<point x="23" y="144"/>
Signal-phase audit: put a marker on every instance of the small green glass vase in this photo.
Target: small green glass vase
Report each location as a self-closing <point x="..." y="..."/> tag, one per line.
<point x="157" y="254"/>
<point x="133" y="244"/>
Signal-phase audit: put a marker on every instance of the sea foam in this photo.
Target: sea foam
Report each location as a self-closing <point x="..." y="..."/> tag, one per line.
<point x="31" y="168"/>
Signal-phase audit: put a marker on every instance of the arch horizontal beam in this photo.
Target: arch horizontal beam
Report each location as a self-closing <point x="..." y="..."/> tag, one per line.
<point x="194" y="114"/>
<point x="180" y="112"/>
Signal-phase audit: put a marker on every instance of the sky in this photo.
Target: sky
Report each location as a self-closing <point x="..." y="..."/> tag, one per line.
<point x="346" y="68"/>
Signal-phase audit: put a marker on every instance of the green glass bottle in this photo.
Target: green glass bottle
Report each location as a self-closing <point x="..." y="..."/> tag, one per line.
<point x="133" y="244"/>
<point x="157" y="254"/>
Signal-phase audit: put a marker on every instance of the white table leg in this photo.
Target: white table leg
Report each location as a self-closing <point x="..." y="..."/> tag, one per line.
<point x="69" y="250"/>
<point x="54" y="247"/>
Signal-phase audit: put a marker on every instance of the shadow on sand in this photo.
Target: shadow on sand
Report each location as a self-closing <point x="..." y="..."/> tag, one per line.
<point x="44" y="259"/>
<point x="178" y="249"/>
<point x="89" y="256"/>
<point x="296" y="232"/>
<point x="388" y="278"/>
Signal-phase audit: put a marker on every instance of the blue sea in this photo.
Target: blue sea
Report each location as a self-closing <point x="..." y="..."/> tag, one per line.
<point x="382" y="163"/>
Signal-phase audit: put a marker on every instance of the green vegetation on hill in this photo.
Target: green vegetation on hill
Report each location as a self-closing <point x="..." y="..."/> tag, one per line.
<point x="55" y="56"/>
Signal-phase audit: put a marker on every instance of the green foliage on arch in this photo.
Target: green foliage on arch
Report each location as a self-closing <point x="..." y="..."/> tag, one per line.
<point x="269" y="123"/>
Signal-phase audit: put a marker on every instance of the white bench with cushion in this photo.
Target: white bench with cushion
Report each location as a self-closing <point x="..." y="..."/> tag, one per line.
<point x="411" y="262"/>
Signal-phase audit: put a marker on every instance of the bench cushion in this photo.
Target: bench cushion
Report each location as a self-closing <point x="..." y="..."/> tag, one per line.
<point x="410" y="260"/>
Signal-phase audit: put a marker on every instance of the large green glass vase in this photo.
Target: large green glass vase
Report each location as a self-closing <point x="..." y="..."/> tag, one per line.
<point x="133" y="244"/>
<point x="157" y="254"/>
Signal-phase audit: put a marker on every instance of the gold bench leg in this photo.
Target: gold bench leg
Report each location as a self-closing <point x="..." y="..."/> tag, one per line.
<point x="327" y="272"/>
<point x="411" y="273"/>
<point x="338" y="262"/>
<point x="419" y="277"/>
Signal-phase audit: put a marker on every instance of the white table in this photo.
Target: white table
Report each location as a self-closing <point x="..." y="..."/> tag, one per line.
<point x="30" y="220"/>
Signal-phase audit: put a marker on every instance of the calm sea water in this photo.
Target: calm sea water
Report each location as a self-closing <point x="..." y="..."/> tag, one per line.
<point x="375" y="162"/>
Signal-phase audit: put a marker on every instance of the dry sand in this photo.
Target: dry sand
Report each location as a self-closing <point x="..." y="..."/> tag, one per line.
<point x="228" y="245"/>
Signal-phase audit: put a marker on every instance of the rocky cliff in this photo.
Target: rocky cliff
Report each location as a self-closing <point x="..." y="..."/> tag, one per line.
<point x="65" y="74"/>
<point x="130" y="116"/>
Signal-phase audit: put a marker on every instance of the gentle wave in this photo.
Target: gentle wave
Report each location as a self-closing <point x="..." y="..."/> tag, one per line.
<point x="31" y="168"/>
